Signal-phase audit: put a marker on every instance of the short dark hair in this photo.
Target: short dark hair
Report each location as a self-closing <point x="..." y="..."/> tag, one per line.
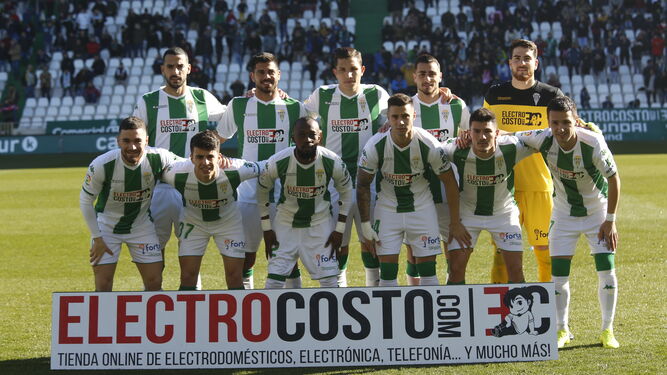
<point x="176" y="51"/>
<point x="562" y="104"/>
<point x="524" y="43"/>
<point x="264" y="57"/>
<point x="345" y="53"/>
<point x="398" y="100"/>
<point x="131" y="123"/>
<point x="425" y="58"/>
<point x="482" y="115"/>
<point x="206" y="140"/>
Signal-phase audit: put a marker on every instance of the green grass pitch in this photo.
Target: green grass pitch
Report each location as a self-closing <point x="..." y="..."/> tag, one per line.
<point x="44" y="245"/>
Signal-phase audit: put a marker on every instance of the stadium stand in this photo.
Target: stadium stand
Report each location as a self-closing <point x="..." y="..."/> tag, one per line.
<point x="612" y="48"/>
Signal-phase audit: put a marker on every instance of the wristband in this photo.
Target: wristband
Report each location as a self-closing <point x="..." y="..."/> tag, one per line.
<point x="340" y="227"/>
<point x="266" y="225"/>
<point x="611" y="217"/>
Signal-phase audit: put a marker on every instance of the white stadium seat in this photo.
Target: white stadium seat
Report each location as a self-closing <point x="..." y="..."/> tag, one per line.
<point x="52" y="111"/>
<point x="77" y="110"/>
<point x="89" y="109"/>
<point x="68" y="101"/>
<point x="31" y="103"/>
<point x="79" y="101"/>
<point x="65" y="111"/>
<point x="42" y="102"/>
<point x="119" y="90"/>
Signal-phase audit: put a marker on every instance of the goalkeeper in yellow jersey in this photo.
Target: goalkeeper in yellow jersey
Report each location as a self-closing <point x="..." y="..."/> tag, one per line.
<point x="520" y="104"/>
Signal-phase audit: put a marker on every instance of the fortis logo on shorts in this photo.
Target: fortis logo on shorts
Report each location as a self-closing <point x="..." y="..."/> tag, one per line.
<point x="428" y="240"/>
<point x="509" y="236"/>
<point x="146" y="248"/>
<point x="439" y="134"/>
<point x="349" y="125"/>
<point x="539" y="234"/>
<point x="231" y="244"/>
<point x="265" y="135"/>
<point x="324" y="259"/>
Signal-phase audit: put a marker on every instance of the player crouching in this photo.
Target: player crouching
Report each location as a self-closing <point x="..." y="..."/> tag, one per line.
<point x="303" y="214"/>
<point x="209" y="197"/>
<point x="486" y="175"/>
<point x="587" y="190"/>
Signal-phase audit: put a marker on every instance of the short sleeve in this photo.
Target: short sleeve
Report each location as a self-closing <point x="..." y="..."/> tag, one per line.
<point x="533" y="138"/>
<point x="92" y="183"/>
<point x="368" y="161"/>
<point x="140" y="110"/>
<point x="215" y="109"/>
<point x="383" y="99"/>
<point x="604" y="160"/>
<point x="227" y="126"/>
<point x="464" y="124"/>
<point x="248" y="170"/>
<point x="312" y="104"/>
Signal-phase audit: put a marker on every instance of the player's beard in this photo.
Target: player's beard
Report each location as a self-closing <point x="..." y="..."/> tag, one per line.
<point x="268" y="91"/>
<point x="175" y="86"/>
<point x="307" y="154"/>
<point x="520" y="76"/>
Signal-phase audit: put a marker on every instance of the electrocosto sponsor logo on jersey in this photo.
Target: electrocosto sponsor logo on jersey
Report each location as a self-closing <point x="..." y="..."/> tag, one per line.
<point x="400" y="179"/>
<point x="349" y="125"/>
<point x="181" y="125"/>
<point x="265" y="135"/>
<point x="521" y="118"/>
<point x="440" y="134"/>
<point x="132" y="196"/>
<point x="207" y="204"/>
<point x="478" y="180"/>
<point x="305" y="192"/>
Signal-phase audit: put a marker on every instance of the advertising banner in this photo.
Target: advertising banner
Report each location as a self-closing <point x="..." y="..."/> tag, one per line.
<point x="304" y="328"/>
<point x="82" y="127"/>
<point x="638" y="124"/>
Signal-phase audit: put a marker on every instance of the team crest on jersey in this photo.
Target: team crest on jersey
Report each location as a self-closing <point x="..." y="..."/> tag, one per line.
<point x="577" y="161"/>
<point x="190" y="105"/>
<point x="536" y="98"/>
<point x="445" y="114"/>
<point x="416" y="162"/>
<point x="500" y="163"/>
<point x="147" y="177"/>
<point x="223" y="186"/>
<point x="281" y="114"/>
<point x="319" y="174"/>
<point x="362" y="104"/>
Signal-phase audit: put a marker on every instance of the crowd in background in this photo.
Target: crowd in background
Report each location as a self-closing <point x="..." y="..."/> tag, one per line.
<point x="593" y="41"/>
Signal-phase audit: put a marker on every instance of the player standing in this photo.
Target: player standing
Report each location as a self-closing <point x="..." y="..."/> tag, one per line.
<point x="303" y="218"/>
<point x="121" y="183"/>
<point x="173" y="115"/>
<point x="404" y="208"/>
<point x="520" y="104"/>
<point x="443" y="120"/>
<point x="209" y="197"/>
<point x="486" y="177"/>
<point x="587" y="190"/>
<point x="264" y="125"/>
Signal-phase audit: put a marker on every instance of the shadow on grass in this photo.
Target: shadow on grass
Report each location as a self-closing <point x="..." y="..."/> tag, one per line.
<point x="571" y="347"/>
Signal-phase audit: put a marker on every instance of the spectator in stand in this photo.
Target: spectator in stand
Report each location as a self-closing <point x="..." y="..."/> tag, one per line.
<point x="657" y="47"/>
<point x="573" y="59"/>
<point x="204" y="46"/>
<point x="99" y="66"/>
<point x="398" y="84"/>
<point x="649" y="83"/>
<point x="586" y="61"/>
<point x="599" y="63"/>
<point x="9" y="106"/>
<point x="624" y="46"/>
<point x="120" y="75"/>
<point x="45" y="83"/>
<point x="237" y="87"/>
<point x="637" y="52"/>
<point x="66" y="82"/>
<point x="15" y="55"/>
<point x="554" y="81"/>
<point x="30" y="81"/>
<point x="585" y="98"/>
<point x="91" y="94"/>
<point x="614" y="66"/>
<point x="607" y="104"/>
<point x="634" y="103"/>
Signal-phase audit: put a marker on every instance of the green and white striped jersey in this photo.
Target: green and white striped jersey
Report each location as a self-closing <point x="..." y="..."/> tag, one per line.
<point x="305" y="200"/>
<point x="262" y="128"/>
<point x="124" y="192"/>
<point x="579" y="175"/>
<point x="212" y="201"/>
<point x="443" y="121"/>
<point x="173" y="121"/>
<point x="348" y="122"/>
<point x="402" y="172"/>
<point x="487" y="185"/>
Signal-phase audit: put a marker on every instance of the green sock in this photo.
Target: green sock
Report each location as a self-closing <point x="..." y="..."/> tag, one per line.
<point x="276" y="277"/>
<point x="187" y="287"/>
<point x="560" y="267"/>
<point x="295" y="274"/>
<point x="239" y="288"/>
<point x="604" y="261"/>
<point x="411" y="269"/>
<point x="342" y="262"/>
<point x="247" y="273"/>
<point x="462" y="282"/>
<point x="426" y="269"/>
<point x="369" y="261"/>
<point x="388" y="271"/>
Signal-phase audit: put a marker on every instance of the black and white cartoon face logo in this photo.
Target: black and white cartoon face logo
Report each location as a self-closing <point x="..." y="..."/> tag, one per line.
<point x="520" y="319"/>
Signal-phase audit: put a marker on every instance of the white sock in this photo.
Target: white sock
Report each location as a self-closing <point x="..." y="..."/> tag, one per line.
<point x="607" y="295"/>
<point x="372" y="276"/>
<point x="429" y="280"/>
<point x="562" y="301"/>
<point x="274" y="284"/>
<point x="414" y="280"/>
<point x="393" y="282"/>
<point x="249" y="282"/>
<point x="329" y="282"/>
<point x="198" y="286"/>
<point x="293" y="283"/>
<point x="342" y="279"/>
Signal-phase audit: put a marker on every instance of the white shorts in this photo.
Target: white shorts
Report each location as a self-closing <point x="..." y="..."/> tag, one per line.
<point x="505" y="229"/>
<point x="306" y="244"/>
<point x="166" y="207"/>
<point x="252" y="224"/>
<point x="443" y="219"/>
<point x="566" y="230"/>
<point x="228" y="236"/>
<point x="419" y="229"/>
<point x="144" y="248"/>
